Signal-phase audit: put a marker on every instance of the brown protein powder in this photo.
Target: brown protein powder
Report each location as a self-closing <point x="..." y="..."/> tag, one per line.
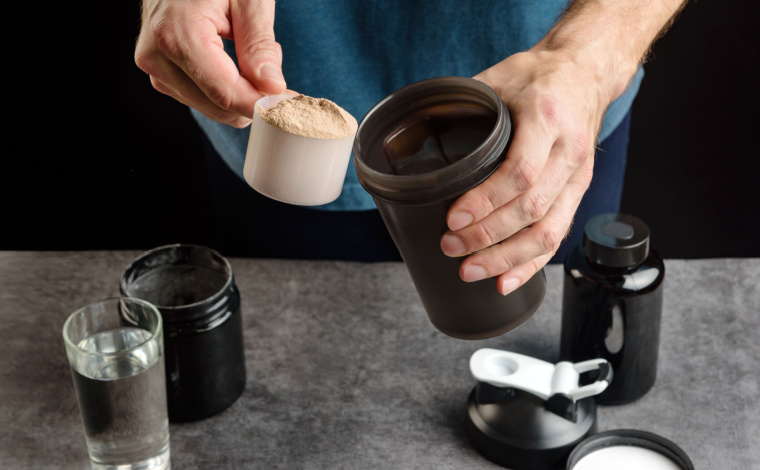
<point x="303" y="115"/>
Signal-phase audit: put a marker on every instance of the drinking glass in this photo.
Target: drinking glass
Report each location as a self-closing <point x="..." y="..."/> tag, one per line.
<point x="118" y="372"/>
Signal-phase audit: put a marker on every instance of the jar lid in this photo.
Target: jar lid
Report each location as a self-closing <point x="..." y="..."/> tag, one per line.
<point x="628" y="449"/>
<point x="616" y="240"/>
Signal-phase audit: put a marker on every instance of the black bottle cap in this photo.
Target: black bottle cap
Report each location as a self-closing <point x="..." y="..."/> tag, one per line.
<point x="616" y="240"/>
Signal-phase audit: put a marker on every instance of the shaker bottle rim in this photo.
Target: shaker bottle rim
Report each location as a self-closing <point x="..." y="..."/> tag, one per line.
<point x="443" y="182"/>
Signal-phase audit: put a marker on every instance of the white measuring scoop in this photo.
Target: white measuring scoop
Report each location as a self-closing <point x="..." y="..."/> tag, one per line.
<point x="291" y="168"/>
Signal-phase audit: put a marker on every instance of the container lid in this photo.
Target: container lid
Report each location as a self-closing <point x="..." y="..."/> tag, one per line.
<point x="616" y="240"/>
<point x="518" y="432"/>
<point x="628" y="449"/>
<point x="525" y="413"/>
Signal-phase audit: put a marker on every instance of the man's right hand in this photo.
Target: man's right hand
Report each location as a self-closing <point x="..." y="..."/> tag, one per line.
<point x="180" y="47"/>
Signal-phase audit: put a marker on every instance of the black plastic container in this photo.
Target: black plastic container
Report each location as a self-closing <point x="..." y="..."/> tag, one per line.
<point x="194" y="289"/>
<point x="416" y="152"/>
<point x="612" y="304"/>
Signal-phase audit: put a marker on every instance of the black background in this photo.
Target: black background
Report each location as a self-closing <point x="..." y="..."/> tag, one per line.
<point x="99" y="160"/>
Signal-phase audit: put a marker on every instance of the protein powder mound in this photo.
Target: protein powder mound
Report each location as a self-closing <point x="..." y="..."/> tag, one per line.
<point x="318" y="118"/>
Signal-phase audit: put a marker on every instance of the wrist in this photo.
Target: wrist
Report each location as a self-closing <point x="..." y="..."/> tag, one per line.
<point x="609" y="39"/>
<point x="610" y="67"/>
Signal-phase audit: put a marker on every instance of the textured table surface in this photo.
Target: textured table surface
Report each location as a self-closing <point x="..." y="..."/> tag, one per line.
<point x="346" y="372"/>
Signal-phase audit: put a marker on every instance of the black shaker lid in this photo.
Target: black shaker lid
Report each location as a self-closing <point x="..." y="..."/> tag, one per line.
<point x="628" y="449"/>
<point x="521" y="434"/>
<point x="616" y="240"/>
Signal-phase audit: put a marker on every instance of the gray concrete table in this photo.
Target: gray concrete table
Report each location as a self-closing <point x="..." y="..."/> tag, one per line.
<point x="346" y="372"/>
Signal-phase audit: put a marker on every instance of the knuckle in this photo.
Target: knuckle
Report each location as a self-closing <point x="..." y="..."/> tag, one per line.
<point x="480" y="200"/>
<point x="579" y="147"/>
<point x="525" y="175"/>
<point x="166" y="39"/>
<point x="159" y="86"/>
<point x="505" y="260"/>
<point x="146" y="55"/>
<point x="533" y="206"/>
<point x="549" y="240"/>
<point x="485" y="235"/>
<point x="260" y="40"/>
<point x="585" y="174"/>
<point x="221" y="96"/>
<point x="549" y="111"/>
<point x="145" y="61"/>
<point x="536" y="265"/>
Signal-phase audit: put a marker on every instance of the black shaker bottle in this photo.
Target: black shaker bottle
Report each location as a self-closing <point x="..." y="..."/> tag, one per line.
<point x="416" y="151"/>
<point x="612" y="304"/>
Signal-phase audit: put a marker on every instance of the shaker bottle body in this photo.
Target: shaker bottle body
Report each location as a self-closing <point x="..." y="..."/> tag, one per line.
<point x="459" y="309"/>
<point x="458" y="131"/>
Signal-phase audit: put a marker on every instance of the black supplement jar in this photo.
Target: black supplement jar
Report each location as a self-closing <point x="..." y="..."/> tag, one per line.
<point x="194" y="289"/>
<point x="418" y="150"/>
<point x="612" y="304"/>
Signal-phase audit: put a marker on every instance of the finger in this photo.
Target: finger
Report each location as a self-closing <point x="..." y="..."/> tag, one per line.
<point x="527" y="155"/>
<point x="175" y="83"/>
<point x="239" y="122"/>
<point x="259" y="55"/>
<point x="522" y="211"/>
<point x="541" y="239"/>
<point x="199" y="53"/>
<point x="517" y="276"/>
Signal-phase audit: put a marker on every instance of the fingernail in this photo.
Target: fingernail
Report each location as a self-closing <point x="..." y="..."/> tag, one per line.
<point x="459" y="220"/>
<point x="271" y="72"/>
<point x="474" y="273"/>
<point x="452" y="246"/>
<point x="509" y="285"/>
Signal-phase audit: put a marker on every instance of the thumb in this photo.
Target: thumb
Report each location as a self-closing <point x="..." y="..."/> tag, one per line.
<point x="259" y="55"/>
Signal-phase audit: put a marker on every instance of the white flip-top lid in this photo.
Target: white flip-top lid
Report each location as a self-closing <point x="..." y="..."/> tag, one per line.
<point x="616" y="450"/>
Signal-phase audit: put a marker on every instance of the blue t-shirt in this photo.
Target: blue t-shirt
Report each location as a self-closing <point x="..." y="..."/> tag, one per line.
<point x="356" y="53"/>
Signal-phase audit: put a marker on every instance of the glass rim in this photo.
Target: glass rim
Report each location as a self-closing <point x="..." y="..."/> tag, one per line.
<point x="153" y="334"/>
<point x="123" y="284"/>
